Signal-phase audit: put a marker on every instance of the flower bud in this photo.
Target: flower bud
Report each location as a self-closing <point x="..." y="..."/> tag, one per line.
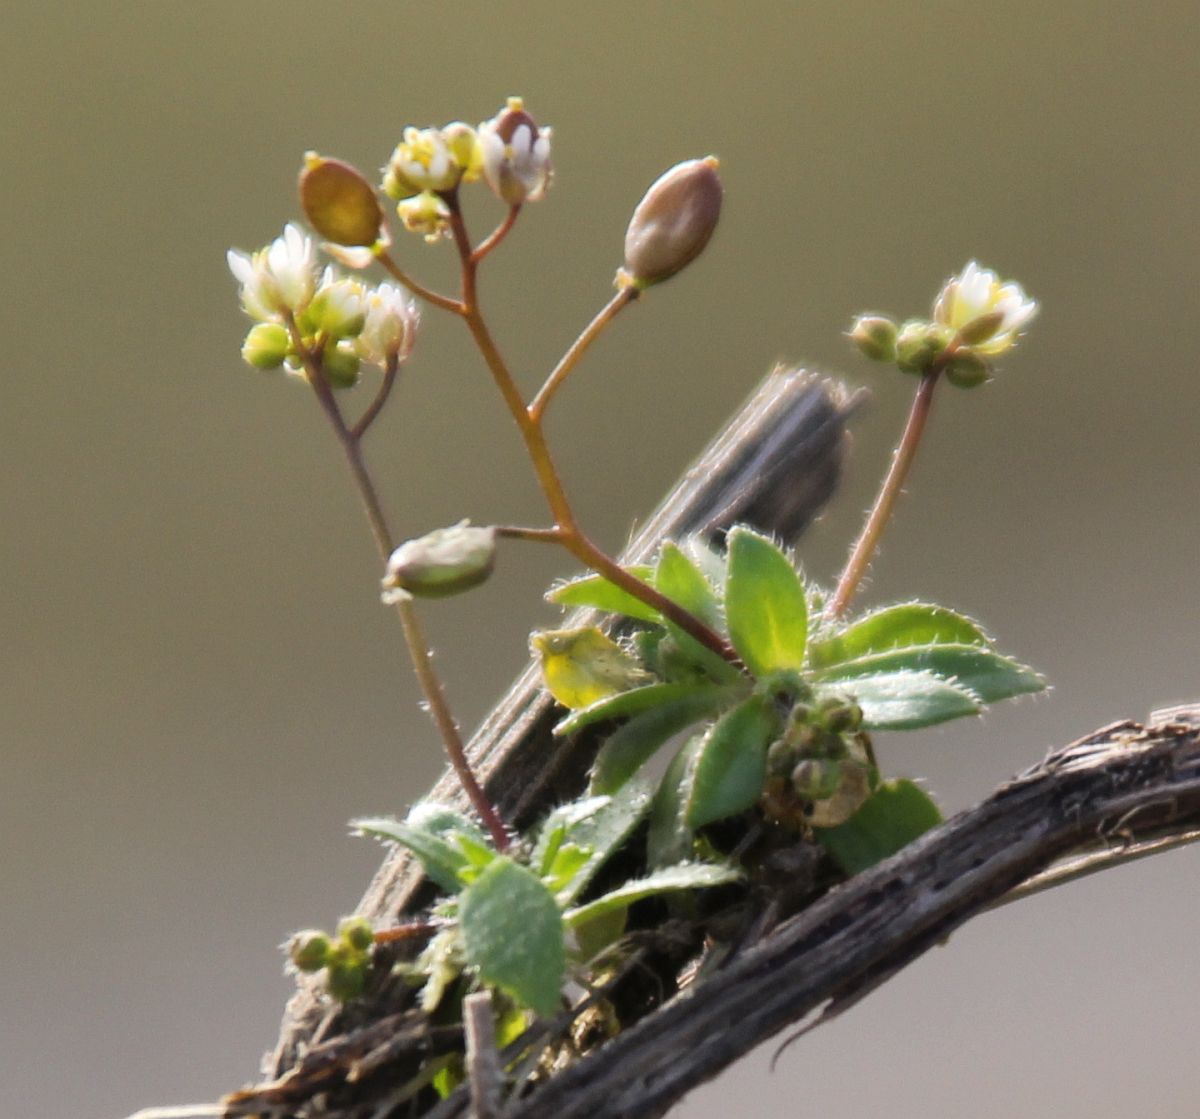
<point x="875" y="336"/>
<point x="919" y="344"/>
<point x="338" y="309"/>
<point x="441" y="563"/>
<point x="340" y="365"/>
<point x="339" y="203"/>
<point x="425" y="213"/>
<point x="309" y="950"/>
<point x="515" y="155"/>
<point x="347" y="975"/>
<point x="357" y="932"/>
<point x="672" y="223"/>
<point x="266" y="345"/>
<point x="816" y="778"/>
<point x="967" y="370"/>
<point x="852" y="789"/>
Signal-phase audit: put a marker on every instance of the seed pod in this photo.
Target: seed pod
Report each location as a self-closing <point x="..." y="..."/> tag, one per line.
<point x="672" y="223"/>
<point x="339" y="203"/>
<point x="444" y="562"/>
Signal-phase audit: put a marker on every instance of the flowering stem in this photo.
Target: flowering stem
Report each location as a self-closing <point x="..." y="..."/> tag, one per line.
<point x="902" y="460"/>
<point x="539" y="535"/>
<point x="579" y="347"/>
<point x="497" y="235"/>
<point x="414" y="637"/>
<point x="419" y="290"/>
<point x="570" y="535"/>
<point x="376" y="406"/>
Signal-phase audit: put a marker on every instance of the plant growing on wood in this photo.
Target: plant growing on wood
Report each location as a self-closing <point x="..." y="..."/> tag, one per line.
<point x="758" y="683"/>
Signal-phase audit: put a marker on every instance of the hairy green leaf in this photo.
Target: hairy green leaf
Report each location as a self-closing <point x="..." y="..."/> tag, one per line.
<point x="905" y="700"/>
<point x="629" y="747"/>
<point x="513" y="934"/>
<point x="669" y="839"/>
<point x="989" y="675"/>
<point x="730" y="765"/>
<point x="429" y="833"/>
<point x="682" y="582"/>
<point x="627" y="704"/>
<point x="765" y="604"/>
<point x="683" y="876"/>
<point x="895" y="814"/>
<point x="597" y="592"/>
<point x="597" y="826"/>
<point x="895" y="627"/>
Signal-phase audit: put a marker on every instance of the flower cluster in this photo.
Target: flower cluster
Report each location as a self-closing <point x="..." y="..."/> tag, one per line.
<point x="510" y="151"/>
<point x="304" y="317"/>
<point x="976" y="318"/>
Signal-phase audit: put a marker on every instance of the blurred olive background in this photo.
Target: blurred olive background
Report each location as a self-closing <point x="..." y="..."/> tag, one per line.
<point x="199" y="687"/>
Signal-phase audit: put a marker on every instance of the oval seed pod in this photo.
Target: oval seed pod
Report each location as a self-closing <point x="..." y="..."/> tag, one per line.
<point x="443" y="562"/>
<point x="339" y="203"/>
<point x="672" y="223"/>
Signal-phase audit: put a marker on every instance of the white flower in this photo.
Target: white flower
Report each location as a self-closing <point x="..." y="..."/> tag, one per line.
<point x="987" y="314"/>
<point x="338" y="306"/>
<point x="422" y="161"/>
<point x="278" y="279"/>
<point x="516" y="155"/>
<point x="390" y="327"/>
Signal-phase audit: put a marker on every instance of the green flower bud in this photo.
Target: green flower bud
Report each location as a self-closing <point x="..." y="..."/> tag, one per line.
<point x="338" y="310"/>
<point x="339" y="203"/>
<point x="441" y="563"/>
<point x="347" y="974"/>
<point x="780" y="756"/>
<point x="309" y="950"/>
<point x="357" y="932"/>
<point x="967" y="370"/>
<point x="266" y="345"/>
<point x="875" y="336"/>
<point x="981" y="329"/>
<point x="816" y="779"/>
<point x="672" y="223"/>
<point x="919" y="344"/>
<point x="340" y="365"/>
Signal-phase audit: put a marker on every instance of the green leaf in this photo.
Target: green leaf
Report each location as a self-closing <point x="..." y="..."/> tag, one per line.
<point x="730" y="765"/>
<point x="594" y="936"/>
<point x="429" y="833"/>
<point x="708" y="559"/>
<point x="905" y="700"/>
<point x="628" y="748"/>
<point x="765" y="604"/>
<point x="682" y="582"/>
<point x="896" y="627"/>
<point x="895" y="814"/>
<point x="626" y="704"/>
<point x="513" y="934"/>
<point x="597" y="592"/>
<point x="669" y="839"/>
<point x="577" y="839"/>
<point x="672" y="879"/>
<point x="989" y="675"/>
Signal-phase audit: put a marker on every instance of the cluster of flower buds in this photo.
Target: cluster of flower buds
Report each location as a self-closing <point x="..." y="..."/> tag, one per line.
<point x="510" y="151"/>
<point x="299" y="311"/>
<point x="819" y="771"/>
<point x="345" y="958"/>
<point x="976" y="318"/>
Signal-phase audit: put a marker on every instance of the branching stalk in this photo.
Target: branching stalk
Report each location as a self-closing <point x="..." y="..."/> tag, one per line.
<point x="414" y="637"/>
<point x="570" y="535"/>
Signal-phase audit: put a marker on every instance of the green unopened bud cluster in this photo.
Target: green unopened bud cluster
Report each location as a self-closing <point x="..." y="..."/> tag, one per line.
<point x="975" y="318"/>
<point x="345" y="958"/>
<point x="819" y="771"/>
